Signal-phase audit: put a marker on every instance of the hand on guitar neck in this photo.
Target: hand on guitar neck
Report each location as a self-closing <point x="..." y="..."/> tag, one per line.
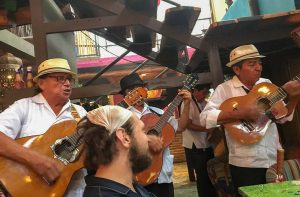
<point x="293" y="90"/>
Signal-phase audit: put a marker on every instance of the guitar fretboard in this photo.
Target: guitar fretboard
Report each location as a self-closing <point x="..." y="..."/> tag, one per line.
<point x="279" y="94"/>
<point x="168" y="113"/>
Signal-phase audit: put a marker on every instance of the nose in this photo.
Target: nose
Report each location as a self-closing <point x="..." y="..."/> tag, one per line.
<point x="67" y="82"/>
<point x="258" y="66"/>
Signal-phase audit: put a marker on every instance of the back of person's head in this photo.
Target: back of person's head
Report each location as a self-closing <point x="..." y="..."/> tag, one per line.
<point x="100" y="134"/>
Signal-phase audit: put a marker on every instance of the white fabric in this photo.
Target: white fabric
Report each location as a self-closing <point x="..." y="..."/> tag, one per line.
<point x="190" y="137"/>
<point x="33" y="116"/>
<point x="260" y="155"/>
<point x="110" y="117"/>
<point x="166" y="174"/>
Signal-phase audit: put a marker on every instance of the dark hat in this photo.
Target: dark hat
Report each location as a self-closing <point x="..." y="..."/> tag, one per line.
<point x="130" y="81"/>
<point x="202" y="86"/>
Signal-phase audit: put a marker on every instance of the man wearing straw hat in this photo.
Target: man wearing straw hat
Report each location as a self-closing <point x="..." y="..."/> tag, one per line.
<point x="34" y="115"/>
<point x="248" y="163"/>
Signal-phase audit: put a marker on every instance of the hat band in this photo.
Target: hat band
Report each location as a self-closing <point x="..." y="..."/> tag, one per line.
<point x="243" y="56"/>
<point x="54" y="69"/>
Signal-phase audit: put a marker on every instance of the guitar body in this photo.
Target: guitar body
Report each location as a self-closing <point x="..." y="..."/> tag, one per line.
<point x="19" y="180"/>
<point x="253" y="132"/>
<point x="150" y="175"/>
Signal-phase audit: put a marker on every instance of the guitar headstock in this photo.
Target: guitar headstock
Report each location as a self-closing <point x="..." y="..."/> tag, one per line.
<point x="190" y="81"/>
<point x="136" y="96"/>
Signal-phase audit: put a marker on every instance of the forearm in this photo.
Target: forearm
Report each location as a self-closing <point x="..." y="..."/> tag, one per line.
<point x="184" y="117"/>
<point x="12" y="150"/>
<point x="291" y="106"/>
<point x="229" y="116"/>
<point x="196" y="127"/>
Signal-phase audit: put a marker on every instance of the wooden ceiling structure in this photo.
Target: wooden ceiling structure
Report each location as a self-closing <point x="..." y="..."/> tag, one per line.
<point x="112" y="19"/>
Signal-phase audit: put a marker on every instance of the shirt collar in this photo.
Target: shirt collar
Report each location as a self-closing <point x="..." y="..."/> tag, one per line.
<point x="146" y="106"/>
<point x="236" y="82"/>
<point x="106" y="183"/>
<point x="40" y="99"/>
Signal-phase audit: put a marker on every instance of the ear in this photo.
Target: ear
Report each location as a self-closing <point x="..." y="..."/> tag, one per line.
<point x="40" y="83"/>
<point x="123" y="137"/>
<point x="236" y="70"/>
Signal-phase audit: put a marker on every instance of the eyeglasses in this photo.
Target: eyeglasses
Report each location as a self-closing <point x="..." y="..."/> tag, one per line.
<point x="62" y="79"/>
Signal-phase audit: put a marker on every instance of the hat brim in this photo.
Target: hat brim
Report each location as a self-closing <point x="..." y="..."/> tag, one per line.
<point x="56" y="70"/>
<point x="140" y="84"/>
<point x="230" y="64"/>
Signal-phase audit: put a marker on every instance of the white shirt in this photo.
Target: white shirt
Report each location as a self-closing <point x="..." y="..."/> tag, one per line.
<point x="33" y="116"/>
<point x="190" y="137"/>
<point x="260" y="155"/>
<point x="166" y="174"/>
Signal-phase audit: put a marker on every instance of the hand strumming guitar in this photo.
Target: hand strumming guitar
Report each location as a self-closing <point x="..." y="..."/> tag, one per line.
<point x="249" y="112"/>
<point x="155" y="143"/>
<point x="48" y="168"/>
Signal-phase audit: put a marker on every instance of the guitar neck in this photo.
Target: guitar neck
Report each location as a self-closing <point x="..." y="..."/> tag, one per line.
<point x="280" y="93"/>
<point x="168" y="113"/>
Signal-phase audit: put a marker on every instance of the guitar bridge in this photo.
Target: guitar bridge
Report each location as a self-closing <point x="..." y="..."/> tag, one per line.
<point x="64" y="150"/>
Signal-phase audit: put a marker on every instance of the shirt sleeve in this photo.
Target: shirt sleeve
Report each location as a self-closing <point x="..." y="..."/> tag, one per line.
<point x="11" y="119"/>
<point x="209" y="115"/>
<point x="81" y="111"/>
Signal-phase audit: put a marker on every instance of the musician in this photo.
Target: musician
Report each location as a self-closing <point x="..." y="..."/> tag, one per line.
<point x="34" y="115"/>
<point x="196" y="146"/>
<point x="248" y="163"/>
<point x="163" y="187"/>
<point x="117" y="146"/>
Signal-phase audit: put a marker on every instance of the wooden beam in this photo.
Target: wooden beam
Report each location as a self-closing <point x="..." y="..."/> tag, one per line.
<point x="215" y="65"/>
<point x="98" y="90"/>
<point x="16" y="45"/>
<point x="149" y="23"/>
<point x="39" y="36"/>
<point x="89" y="23"/>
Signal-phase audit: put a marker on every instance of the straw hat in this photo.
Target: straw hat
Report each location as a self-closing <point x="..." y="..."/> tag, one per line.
<point x="56" y="65"/>
<point x="242" y="53"/>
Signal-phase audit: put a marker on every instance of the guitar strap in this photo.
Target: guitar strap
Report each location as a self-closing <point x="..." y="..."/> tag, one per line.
<point x="74" y="113"/>
<point x="194" y="99"/>
<point x="246" y="90"/>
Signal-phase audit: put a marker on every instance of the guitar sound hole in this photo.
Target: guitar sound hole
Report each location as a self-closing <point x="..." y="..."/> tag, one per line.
<point x="63" y="149"/>
<point x="153" y="132"/>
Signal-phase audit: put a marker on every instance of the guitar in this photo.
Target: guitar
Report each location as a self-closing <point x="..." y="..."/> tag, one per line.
<point x="160" y="127"/>
<point x="269" y="99"/>
<point x="61" y="141"/>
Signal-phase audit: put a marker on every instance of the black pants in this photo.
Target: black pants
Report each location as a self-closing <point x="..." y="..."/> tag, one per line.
<point x="198" y="159"/>
<point x="247" y="176"/>
<point x="161" y="190"/>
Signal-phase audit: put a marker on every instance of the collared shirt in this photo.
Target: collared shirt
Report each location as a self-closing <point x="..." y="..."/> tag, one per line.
<point x="107" y="188"/>
<point x="190" y="137"/>
<point x="166" y="172"/>
<point x="260" y="155"/>
<point x="33" y="116"/>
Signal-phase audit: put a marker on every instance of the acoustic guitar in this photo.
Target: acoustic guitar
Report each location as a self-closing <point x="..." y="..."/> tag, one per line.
<point x="160" y="127"/>
<point x="61" y="141"/>
<point x="269" y="99"/>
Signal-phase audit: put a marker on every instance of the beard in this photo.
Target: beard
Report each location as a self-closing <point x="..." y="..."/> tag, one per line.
<point x="139" y="161"/>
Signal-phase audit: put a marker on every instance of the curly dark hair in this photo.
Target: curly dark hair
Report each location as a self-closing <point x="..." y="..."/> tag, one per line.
<point x="100" y="146"/>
